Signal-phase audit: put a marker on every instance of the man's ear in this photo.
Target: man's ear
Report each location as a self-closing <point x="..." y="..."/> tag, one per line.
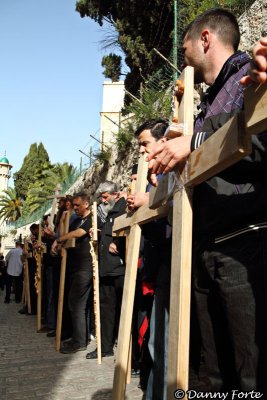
<point x="162" y="140"/>
<point x="205" y="39"/>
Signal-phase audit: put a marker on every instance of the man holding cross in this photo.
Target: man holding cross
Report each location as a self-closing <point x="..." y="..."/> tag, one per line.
<point x="80" y="267"/>
<point x="230" y="215"/>
<point x="111" y="269"/>
<point x="156" y="270"/>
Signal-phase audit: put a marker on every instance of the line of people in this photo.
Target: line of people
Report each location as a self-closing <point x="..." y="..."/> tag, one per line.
<point x="229" y="320"/>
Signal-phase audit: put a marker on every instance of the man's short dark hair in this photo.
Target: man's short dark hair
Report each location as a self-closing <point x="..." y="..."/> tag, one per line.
<point x="83" y="195"/>
<point x="34" y="226"/>
<point x="218" y="20"/>
<point x="157" y="128"/>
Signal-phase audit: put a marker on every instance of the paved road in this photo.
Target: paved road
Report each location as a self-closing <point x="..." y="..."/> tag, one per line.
<point x="30" y="367"/>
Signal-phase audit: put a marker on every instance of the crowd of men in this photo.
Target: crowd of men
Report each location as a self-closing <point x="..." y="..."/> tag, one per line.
<point x="229" y="271"/>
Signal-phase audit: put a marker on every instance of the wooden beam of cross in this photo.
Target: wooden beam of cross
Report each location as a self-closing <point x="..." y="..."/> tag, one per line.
<point x="130" y="222"/>
<point x="26" y="280"/>
<point x="94" y="254"/>
<point x="68" y="244"/>
<point x="52" y="213"/>
<point x="38" y="252"/>
<point x="224" y="148"/>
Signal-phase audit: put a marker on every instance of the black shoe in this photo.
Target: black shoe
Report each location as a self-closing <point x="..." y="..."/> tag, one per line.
<point x="44" y="329"/>
<point x="65" y="338"/>
<point x="93" y="354"/>
<point x="7" y="301"/>
<point x="23" y="310"/>
<point x="51" y="334"/>
<point x="71" y="347"/>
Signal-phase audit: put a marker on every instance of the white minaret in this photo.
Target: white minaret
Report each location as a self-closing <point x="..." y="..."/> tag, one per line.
<point x="5" y="168"/>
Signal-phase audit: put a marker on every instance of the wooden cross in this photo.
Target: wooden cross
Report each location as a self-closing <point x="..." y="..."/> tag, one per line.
<point x="68" y="244"/>
<point x="39" y="250"/>
<point x="130" y="222"/>
<point x="94" y="254"/>
<point x="55" y="197"/>
<point x="26" y="280"/>
<point x="227" y="146"/>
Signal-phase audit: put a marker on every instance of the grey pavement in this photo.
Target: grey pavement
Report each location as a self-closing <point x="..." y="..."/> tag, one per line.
<point x="30" y="367"/>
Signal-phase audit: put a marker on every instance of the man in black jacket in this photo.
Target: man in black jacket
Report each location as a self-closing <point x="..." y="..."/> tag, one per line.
<point x="111" y="269"/>
<point x="80" y="269"/>
<point x="230" y="214"/>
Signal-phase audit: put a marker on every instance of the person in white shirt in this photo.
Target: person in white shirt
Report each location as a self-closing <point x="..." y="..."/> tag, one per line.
<point x="14" y="273"/>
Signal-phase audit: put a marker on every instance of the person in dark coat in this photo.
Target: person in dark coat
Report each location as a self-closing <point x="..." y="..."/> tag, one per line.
<point x="111" y="269"/>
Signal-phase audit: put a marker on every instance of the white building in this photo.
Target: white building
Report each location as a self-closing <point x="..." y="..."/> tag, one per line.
<point x="110" y="116"/>
<point x="5" y="168"/>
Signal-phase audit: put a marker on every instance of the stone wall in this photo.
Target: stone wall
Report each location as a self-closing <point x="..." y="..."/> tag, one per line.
<point x="117" y="169"/>
<point x="253" y="24"/>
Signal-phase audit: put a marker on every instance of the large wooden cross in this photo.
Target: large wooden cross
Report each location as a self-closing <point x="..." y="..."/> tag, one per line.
<point x="130" y="222"/>
<point x="68" y="244"/>
<point x="52" y="213"/>
<point x="38" y="251"/>
<point x="94" y="254"/>
<point x="227" y="146"/>
<point x="26" y="278"/>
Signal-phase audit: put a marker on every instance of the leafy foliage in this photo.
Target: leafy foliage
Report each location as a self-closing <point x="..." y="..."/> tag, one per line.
<point x="32" y="167"/>
<point x="103" y="155"/>
<point x="190" y="9"/>
<point x="124" y="137"/>
<point x="65" y="174"/>
<point x="142" y="25"/>
<point x="112" y="65"/>
<point x="153" y="103"/>
<point x="10" y="205"/>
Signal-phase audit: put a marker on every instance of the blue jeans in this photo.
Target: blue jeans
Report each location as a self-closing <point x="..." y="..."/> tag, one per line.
<point x="230" y="282"/>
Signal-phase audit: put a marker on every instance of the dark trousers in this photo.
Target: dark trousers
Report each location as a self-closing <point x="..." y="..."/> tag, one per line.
<point x="80" y="286"/>
<point x="32" y="271"/>
<point x="159" y="327"/>
<point x="230" y="282"/>
<point x="50" y="303"/>
<point x="17" y="287"/>
<point x="111" y="288"/>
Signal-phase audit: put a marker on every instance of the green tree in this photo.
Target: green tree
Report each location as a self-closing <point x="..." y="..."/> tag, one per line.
<point x="10" y="205"/>
<point x="35" y="161"/>
<point x="141" y="26"/>
<point x="112" y="65"/>
<point x="49" y="177"/>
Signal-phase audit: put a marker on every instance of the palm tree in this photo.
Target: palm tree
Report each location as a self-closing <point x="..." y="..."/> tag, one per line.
<point x="10" y="205"/>
<point x="64" y="174"/>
